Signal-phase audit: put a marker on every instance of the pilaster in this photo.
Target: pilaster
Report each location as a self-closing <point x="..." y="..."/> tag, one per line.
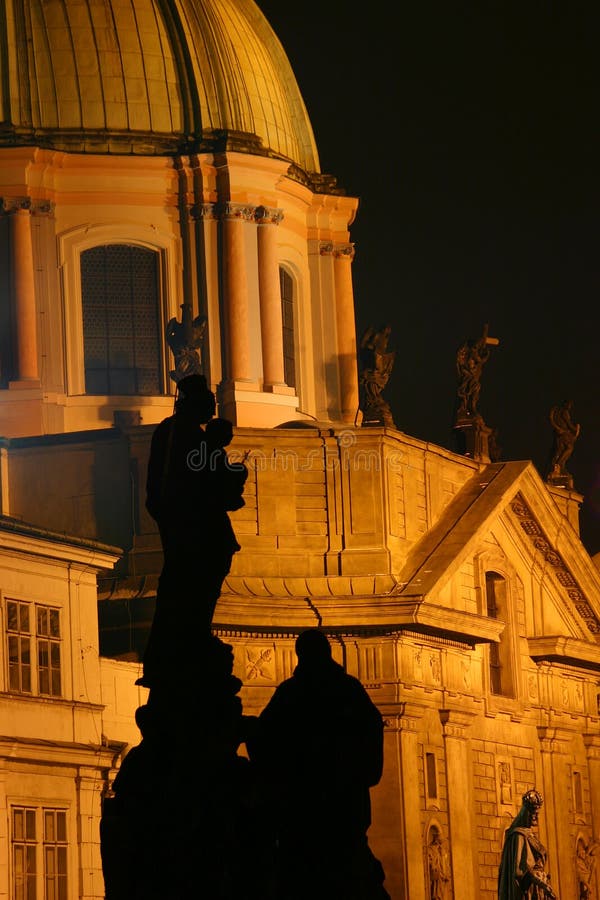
<point x="461" y="806"/>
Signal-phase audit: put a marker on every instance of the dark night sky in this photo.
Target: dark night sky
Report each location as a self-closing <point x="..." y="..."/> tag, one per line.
<point x="470" y="134"/>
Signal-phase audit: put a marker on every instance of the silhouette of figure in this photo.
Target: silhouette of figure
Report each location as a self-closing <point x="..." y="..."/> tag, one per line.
<point x="376" y="367"/>
<point x="470" y="360"/>
<point x="190" y="487"/>
<point x="439" y="876"/>
<point x="566" y="433"/>
<point x="522" y="874"/>
<point x="318" y="747"/>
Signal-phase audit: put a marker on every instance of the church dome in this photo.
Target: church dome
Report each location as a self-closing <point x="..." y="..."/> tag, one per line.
<point x="149" y="77"/>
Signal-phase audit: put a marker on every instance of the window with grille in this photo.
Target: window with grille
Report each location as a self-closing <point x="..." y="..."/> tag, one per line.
<point x="287" y="317"/>
<point x="34" y="656"/>
<point x="39" y="853"/>
<point x="121" y="320"/>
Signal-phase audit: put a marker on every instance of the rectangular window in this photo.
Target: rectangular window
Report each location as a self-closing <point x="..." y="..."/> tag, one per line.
<point x="120" y="290"/>
<point x="24" y="853"/>
<point x="287" y="316"/>
<point x="19" y="646"/>
<point x="577" y="792"/>
<point x="33" y="655"/>
<point x="39" y="865"/>
<point x="48" y="647"/>
<point x="431" y="776"/>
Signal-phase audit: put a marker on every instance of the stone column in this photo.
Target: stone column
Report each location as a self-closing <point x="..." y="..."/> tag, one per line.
<point x="25" y="316"/>
<point x="592" y="746"/>
<point x="554" y="748"/>
<point x="235" y="296"/>
<point x="270" y="298"/>
<point x="461" y="808"/>
<point x="408" y="727"/>
<point x="343" y="254"/>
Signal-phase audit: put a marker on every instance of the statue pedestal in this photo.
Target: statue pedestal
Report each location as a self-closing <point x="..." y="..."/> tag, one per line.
<point x="564" y="480"/>
<point x="472" y="437"/>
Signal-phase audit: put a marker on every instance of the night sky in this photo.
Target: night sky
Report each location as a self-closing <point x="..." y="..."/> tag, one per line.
<point x="470" y="134"/>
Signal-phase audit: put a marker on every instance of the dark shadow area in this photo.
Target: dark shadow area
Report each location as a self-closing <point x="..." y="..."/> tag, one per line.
<point x="318" y="749"/>
<point x="189" y="816"/>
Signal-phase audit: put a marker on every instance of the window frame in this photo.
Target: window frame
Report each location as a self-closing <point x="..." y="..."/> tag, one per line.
<point x="42" y="847"/>
<point x="285" y="276"/>
<point x="71" y="246"/>
<point x="98" y="305"/>
<point x="36" y="642"/>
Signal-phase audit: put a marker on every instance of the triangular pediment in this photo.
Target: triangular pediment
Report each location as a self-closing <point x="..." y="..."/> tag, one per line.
<point x="508" y="505"/>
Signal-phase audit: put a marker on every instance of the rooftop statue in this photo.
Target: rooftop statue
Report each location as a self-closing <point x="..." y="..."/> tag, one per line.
<point x="566" y="433"/>
<point x="470" y="360"/>
<point x="376" y="363"/>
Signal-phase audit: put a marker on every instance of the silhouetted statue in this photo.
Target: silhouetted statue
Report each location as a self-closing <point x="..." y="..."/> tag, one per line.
<point x="376" y="363"/>
<point x="318" y="747"/>
<point x="470" y="360"/>
<point x="191" y="486"/>
<point x="522" y="874"/>
<point x="566" y="433"/>
<point x="185" y="819"/>
<point x="185" y="340"/>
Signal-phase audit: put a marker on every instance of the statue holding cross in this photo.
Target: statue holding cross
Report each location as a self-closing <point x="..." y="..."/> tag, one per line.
<point x="470" y="360"/>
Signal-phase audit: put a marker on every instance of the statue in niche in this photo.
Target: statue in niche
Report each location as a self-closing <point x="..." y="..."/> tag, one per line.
<point x="438" y="866"/>
<point x="586" y="865"/>
<point x="522" y="874"/>
<point x="376" y="363"/>
<point x="566" y="433"/>
<point x="184" y="339"/>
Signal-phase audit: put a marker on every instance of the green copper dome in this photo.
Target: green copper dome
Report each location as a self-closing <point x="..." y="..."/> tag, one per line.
<point x="149" y="77"/>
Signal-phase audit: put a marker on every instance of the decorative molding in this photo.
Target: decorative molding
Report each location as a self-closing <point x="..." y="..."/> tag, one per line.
<point x="564" y="577"/>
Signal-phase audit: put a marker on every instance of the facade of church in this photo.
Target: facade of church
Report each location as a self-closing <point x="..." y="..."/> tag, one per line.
<point x="162" y="196"/>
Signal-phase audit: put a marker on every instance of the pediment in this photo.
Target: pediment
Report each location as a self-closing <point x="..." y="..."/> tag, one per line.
<point x="510" y="504"/>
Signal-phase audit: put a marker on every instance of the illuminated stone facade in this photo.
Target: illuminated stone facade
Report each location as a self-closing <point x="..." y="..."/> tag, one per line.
<point x="457" y="590"/>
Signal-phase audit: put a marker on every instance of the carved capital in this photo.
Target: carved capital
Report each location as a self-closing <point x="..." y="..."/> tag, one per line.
<point x="239" y="211"/>
<point x="266" y="215"/>
<point x="455" y="723"/>
<point x="203" y="211"/>
<point x="15" y="204"/>
<point x="591" y="742"/>
<point x="344" y="251"/>
<point x="338" y="251"/>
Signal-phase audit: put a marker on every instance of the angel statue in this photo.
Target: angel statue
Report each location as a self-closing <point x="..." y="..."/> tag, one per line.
<point x="185" y="338"/>
<point x="376" y="363"/>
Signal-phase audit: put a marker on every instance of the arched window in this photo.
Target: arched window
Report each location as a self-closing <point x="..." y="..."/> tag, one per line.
<point x="287" y="318"/>
<point x="121" y="320"/>
<point x="501" y="681"/>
